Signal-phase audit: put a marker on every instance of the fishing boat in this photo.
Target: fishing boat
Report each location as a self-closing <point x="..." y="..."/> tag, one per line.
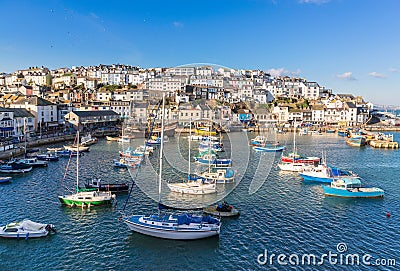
<point x="218" y="175"/>
<point x="222" y="210"/>
<point x="33" y="162"/>
<point x="258" y="141"/>
<point x="356" y="140"/>
<point x="5" y="179"/>
<point x="47" y="157"/>
<point x="181" y="226"/>
<point x="15" y="167"/>
<point x="88" y="140"/>
<point x="350" y="187"/>
<point x="153" y="141"/>
<point x="113" y="187"/>
<point x="85" y="198"/>
<point x="26" y="229"/>
<point x="193" y="186"/>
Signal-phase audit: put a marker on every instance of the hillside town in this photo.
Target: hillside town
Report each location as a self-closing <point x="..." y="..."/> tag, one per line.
<point x="38" y="101"/>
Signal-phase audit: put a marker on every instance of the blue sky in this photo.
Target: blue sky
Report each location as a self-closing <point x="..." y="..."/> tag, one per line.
<point x="351" y="46"/>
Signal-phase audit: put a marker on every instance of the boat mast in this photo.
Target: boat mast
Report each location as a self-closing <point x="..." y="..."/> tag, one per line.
<point x="25" y="137"/>
<point x="190" y="139"/>
<point x="77" y="160"/>
<point x="161" y="151"/>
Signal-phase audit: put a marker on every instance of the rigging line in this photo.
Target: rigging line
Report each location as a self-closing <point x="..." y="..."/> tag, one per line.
<point x="69" y="160"/>
<point x="141" y="159"/>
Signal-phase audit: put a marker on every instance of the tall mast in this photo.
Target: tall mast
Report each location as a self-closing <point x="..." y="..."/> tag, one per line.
<point x="190" y="139"/>
<point x="77" y="160"/>
<point x="161" y="149"/>
<point x="25" y="136"/>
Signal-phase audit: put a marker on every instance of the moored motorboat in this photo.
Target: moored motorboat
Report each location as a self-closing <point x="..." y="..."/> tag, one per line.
<point x="75" y="148"/>
<point x="47" y="157"/>
<point x="270" y="148"/>
<point x="15" y="167"/>
<point x="323" y="173"/>
<point x="6" y="179"/>
<point x="88" y="140"/>
<point x="350" y="187"/>
<point x="34" y="162"/>
<point x="113" y="187"/>
<point x="193" y="187"/>
<point x="111" y="138"/>
<point x="207" y="158"/>
<point x="218" y="175"/>
<point x="222" y="210"/>
<point x="26" y="229"/>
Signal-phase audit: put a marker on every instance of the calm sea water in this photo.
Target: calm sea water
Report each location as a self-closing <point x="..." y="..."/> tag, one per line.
<point x="284" y="215"/>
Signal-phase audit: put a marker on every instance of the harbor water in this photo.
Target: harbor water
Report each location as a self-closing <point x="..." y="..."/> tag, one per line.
<point x="280" y="214"/>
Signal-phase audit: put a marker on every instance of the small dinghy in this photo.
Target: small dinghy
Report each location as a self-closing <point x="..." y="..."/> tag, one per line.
<point x="26" y="229"/>
<point x="222" y="209"/>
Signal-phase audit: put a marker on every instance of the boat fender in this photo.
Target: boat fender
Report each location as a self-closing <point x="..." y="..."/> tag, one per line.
<point x="27" y="236"/>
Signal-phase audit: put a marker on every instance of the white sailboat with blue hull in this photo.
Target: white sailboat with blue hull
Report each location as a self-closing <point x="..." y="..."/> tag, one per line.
<point x="183" y="226"/>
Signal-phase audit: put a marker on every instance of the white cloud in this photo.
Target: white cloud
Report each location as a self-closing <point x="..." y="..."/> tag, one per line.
<point x="393" y="70"/>
<point x="346" y="76"/>
<point x="377" y="75"/>
<point x="178" y="24"/>
<point x="317" y="2"/>
<point x="283" y="72"/>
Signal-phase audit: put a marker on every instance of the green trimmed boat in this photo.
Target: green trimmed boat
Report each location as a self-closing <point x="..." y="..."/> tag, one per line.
<point x="84" y="197"/>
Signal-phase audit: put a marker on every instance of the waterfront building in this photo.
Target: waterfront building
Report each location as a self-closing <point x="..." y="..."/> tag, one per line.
<point x="92" y="119"/>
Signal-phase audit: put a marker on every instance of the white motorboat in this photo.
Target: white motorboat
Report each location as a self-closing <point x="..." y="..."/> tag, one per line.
<point x="26" y="229"/>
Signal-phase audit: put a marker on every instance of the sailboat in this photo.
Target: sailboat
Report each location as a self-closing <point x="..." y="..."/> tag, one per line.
<point x="182" y="226"/>
<point x="85" y="198"/>
<point x="292" y="165"/>
<point x="194" y="186"/>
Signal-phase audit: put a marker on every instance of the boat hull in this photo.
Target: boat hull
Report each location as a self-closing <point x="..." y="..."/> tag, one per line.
<point x="85" y="199"/>
<point x="175" y="233"/>
<point x="213" y="211"/>
<point x="346" y="193"/>
<point x="269" y="149"/>
<point x="192" y="189"/>
<point x="215" y="162"/>
<point x="310" y="178"/>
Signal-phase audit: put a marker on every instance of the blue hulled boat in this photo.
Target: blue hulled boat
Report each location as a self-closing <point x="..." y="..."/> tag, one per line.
<point x="212" y="159"/>
<point x="350" y="187"/>
<point x="323" y="173"/>
<point x="269" y="148"/>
